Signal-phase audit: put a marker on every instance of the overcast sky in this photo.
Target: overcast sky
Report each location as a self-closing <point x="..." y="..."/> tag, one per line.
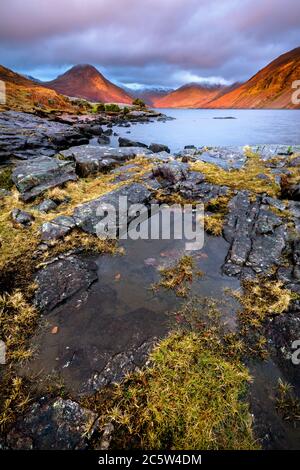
<point x="148" y="42"/>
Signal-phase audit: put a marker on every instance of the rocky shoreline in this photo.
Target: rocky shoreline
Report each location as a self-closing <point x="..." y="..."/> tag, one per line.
<point x="57" y="180"/>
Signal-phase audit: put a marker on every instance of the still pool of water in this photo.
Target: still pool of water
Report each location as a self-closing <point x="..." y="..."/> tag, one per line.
<point x="199" y="127"/>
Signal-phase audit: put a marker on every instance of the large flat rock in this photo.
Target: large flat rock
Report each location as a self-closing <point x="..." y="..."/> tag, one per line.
<point x="90" y="159"/>
<point x="33" y="177"/>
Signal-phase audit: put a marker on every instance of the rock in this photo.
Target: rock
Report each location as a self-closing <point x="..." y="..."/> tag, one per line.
<point x="295" y="162"/>
<point x="24" y="135"/>
<point x="90" y="159"/>
<point x="34" y="177"/>
<point x="196" y="188"/>
<point x="4" y="193"/>
<point x="224" y="157"/>
<point x="57" y="228"/>
<point x="46" y="206"/>
<point x="256" y="235"/>
<point x="118" y="366"/>
<point x="156" y="148"/>
<point x="106" y="436"/>
<point x="86" y="216"/>
<point x="53" y="425"/>
<point x="103" y="140"/>
<point x="61" y="279"/>
<point x="22" y="218"/>
<point x="123" y="142"/>
<point x="173" y="172"/>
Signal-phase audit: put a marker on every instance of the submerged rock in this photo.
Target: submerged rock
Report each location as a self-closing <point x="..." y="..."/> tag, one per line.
<point x="53" y="425"/>
<point x="34" y="177"/>
<point x="61" y="279"/>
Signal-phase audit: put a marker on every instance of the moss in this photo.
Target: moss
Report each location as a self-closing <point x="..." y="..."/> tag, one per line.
<point x="5" y="179"/>
<point x="178" y="277"/>
<point x="248" y="178"/>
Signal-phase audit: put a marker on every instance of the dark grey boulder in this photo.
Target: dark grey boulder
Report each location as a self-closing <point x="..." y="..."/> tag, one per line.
<point x="53" y="424"/>
<point x="103" y="140"/>
<point x="22" y="218"/>
<point x="61" y="279"/>
<point x="156" y="148"/>
<point x="46" y="206"/>
<point x="123" y="142"/>
<point x="173" y="171"/>
<point x="33" y="177"/>
<point x="57" y="228"/>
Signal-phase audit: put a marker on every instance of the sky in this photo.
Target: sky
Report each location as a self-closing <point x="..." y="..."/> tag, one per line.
<point x="136" y="43"/>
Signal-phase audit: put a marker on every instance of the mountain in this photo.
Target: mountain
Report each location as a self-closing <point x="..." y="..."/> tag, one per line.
<point x="84" y="81"/>
<point x="190" y="96"/>
<point x="26" y="95"/>
<point x="150" y="94"/>
<point x="270" y="88"/>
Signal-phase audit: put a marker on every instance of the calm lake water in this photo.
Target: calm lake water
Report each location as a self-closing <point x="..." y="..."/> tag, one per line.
<point x="198" y="127"/>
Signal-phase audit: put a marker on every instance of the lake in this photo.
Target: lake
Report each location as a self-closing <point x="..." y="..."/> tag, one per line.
<point x="198" y="127"/>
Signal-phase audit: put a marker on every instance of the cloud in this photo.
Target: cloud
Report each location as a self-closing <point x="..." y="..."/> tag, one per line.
<point x="148" y="41"/>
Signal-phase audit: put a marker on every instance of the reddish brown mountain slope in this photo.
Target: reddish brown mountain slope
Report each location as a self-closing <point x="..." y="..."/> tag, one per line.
<point x="26" y="95"/>
<point x="189" y="96"/>
<point x="271" y="87"/>
<point x="84" y="81"/>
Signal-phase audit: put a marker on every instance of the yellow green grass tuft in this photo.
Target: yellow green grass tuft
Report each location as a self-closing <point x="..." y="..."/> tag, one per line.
<point x="255" y="176"/>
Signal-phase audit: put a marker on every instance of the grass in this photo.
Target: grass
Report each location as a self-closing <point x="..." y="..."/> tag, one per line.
<point x="5" y="179"/>
<point x="178" y="277"/>
<point x="287" y="404"/>
<point x="191" y="396"/>
<point x="247" y="178"/>
<point x="260" y="299"/>
<point x="18" y="320"/>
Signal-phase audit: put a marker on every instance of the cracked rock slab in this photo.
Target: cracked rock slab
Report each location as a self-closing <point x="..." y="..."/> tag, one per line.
<point x="33" y="177"/>
<point x="61" y="279"/>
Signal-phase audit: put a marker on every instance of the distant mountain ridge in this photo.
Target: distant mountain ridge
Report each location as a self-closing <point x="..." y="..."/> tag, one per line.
<point x="192" y="95"/>
<point x="270" y="88"/>
<point x="85" y="81"/>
